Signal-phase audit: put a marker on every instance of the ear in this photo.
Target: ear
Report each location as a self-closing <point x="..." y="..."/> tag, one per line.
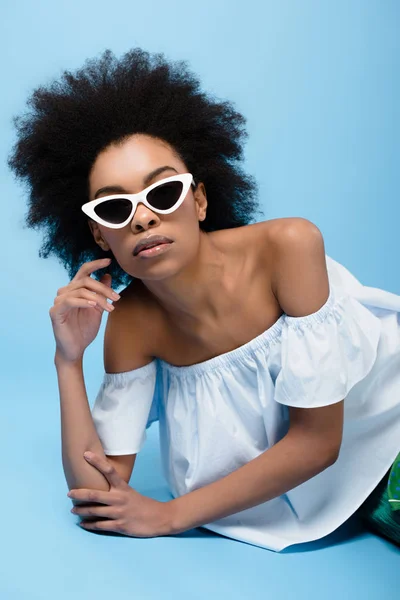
<point x="94" y="228"/>
<point x="200" y="197"/>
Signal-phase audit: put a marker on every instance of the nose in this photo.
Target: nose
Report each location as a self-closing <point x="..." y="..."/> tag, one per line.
<point x="143" y="217"/>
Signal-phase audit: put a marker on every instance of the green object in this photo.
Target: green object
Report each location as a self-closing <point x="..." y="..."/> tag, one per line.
<point x="393" y="487"/>
<point x="381" y="510"/>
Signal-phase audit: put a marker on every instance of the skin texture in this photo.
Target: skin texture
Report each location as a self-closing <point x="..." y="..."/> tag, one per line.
<point x="192" y="285"/>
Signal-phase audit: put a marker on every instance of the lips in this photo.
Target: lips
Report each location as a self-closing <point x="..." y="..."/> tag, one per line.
<point x="150" y="242"/>
<point x="152" y="246"/>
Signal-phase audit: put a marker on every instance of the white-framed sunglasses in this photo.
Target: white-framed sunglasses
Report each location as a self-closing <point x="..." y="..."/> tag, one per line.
<point x="164" y="196"/>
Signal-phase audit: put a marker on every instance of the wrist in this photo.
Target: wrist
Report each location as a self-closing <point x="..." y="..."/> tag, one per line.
<point x="61" y="362"/>
<point x="173" y="524"/>
<point x="170" y="525"/>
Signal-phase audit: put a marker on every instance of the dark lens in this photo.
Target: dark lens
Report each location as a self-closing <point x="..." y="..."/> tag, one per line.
<point x="114" y="211"/>
<point x="165" y="195"/>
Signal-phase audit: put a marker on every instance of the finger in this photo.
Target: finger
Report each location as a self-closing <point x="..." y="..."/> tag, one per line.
<point x="103" y="526"/>
<point x="89" y="267"/>
<point x="89" y="296"/>
<point x="95" y="288"/>
<point x="59" y="309"/>
<point x="106" y="468"/>
<point x="108" y="512"/>
<point x="86" y="495"/>
<point x="98" y="287"/>
<point x="98" y="299"/>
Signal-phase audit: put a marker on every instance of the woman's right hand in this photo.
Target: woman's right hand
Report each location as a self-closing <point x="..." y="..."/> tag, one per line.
<point x="75" y="321"/>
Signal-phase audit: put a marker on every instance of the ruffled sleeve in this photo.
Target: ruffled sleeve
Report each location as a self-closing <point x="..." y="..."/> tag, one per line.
<point x="324" y="354"/>
<point x="124" y="408"/>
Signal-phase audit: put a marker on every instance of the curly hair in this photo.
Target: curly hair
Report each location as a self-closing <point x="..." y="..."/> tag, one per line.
<point x="72" y="120"/>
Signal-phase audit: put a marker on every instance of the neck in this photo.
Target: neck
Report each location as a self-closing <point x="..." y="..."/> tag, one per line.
<point x="195" y="295"/>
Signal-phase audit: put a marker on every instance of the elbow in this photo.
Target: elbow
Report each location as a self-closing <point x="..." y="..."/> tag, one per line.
<point x="320" y="450"/>
<point x="330" y="456"/>
<point x="320" y="454"/>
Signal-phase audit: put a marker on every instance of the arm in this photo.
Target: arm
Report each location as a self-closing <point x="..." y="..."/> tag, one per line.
<point x="312" y="444"/>
<point x="78" y="432"/>
<point x="77" y="427"/>
<point x="290" y="462"/>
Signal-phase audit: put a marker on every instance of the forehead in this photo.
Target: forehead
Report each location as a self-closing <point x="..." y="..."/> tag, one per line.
<point x="127" y="163"/>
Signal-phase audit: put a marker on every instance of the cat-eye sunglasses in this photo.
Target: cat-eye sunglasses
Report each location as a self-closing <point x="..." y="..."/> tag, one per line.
<point x="163" y="196"/>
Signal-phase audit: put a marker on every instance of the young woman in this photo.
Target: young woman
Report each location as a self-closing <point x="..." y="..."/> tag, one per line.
<point x="273" y="372"/>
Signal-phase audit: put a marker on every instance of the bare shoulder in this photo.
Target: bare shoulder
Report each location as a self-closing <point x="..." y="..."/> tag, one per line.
<point x="273" y="231"/>
<point x="300" y="280"/>
<point x="270" y="238"/>
<point x="282" y="238"/>
<point x="263" y="244"/>
<point x="131" y="331"/>
<point x="278" y="231"/>
<point x="288" y="235"/>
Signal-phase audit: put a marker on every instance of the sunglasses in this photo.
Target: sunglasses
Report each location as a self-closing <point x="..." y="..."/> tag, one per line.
<point x="163" y="197"/>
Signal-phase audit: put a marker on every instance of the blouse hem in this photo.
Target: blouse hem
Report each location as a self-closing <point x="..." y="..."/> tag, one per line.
<point x="121" y="452"/>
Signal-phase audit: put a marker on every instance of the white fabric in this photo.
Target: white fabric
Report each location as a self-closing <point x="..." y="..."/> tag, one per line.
<point x="217" y="415"/>
<point x="121" y="410"/>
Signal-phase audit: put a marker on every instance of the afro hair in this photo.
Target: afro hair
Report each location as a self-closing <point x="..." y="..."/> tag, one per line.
<point x="72" y="120"/>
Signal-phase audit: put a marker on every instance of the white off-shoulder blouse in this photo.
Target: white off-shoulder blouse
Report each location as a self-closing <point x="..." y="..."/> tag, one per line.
<point x="217" y="415"/>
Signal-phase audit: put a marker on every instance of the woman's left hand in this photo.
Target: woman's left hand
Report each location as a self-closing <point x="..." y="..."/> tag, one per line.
<point x="127" y="512"/>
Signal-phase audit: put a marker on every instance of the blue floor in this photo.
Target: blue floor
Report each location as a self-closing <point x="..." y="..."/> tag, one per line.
<point x="46" y="555"/>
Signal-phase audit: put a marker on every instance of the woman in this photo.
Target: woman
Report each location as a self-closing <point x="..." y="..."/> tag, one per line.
<point x="273" y="372"/>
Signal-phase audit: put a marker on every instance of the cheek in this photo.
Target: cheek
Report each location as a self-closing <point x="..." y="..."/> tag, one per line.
<point x="114" y="239"/>
<point x="187" y="212"/>
<point x="113" y="236"/>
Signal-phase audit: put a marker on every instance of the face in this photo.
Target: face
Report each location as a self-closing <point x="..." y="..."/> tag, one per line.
<point x="126" y="166"/>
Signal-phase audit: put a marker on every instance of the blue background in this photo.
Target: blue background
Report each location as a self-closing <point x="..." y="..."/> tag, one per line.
<point x="319" y="85"/>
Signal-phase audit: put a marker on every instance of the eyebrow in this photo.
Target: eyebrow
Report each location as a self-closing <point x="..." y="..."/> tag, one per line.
<point x="146" y="181"/>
